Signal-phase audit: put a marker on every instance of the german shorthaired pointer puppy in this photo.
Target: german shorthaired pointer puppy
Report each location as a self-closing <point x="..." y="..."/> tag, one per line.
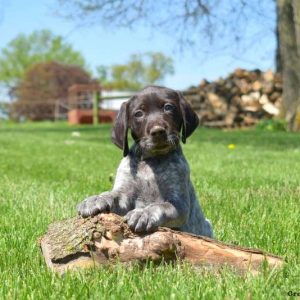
<point x="152" y="186"/>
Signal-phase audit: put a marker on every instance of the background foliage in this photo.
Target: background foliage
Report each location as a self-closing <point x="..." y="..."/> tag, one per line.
<point x="39" y="46"/>
<point x="44" y="84"/>
<point x="140" y="70"/>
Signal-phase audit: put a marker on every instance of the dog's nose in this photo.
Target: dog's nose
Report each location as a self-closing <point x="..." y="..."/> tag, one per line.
<point x="158" y="131"/>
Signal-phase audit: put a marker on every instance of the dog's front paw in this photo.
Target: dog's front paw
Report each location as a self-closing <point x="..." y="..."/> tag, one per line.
<point x="144" y="220"/>
<point x="94" y="205"/>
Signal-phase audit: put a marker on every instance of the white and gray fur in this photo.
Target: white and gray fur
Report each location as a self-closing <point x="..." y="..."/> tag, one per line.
<point x="152" y="192"/>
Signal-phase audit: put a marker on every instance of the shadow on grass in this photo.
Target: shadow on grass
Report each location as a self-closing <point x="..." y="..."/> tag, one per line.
<point x="279" y="141"/>
<point x="95" y="134"/>
<point x="55" y="129"/>
<point x="253" y="138"/>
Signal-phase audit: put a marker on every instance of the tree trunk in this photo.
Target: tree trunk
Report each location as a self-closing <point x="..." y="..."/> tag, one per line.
<point x="105" y="238"/>
<point x="278" y="63"/>
<point x="289" y="38"/>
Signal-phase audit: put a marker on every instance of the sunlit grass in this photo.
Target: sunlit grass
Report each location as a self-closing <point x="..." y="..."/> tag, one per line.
<point x="251" y="192"/>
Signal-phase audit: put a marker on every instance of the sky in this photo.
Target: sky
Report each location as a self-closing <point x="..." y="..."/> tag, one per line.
<point x="102" y="46"/>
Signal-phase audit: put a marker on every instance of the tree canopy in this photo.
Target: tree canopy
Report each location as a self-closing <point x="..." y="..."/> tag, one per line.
<point x="199" y="23"/>
<point x="140" y="70"/>
<point x="26" y="50"/>
<point x="43" y="84"/>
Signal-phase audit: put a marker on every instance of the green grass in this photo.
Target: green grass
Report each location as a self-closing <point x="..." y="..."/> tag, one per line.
<point x="251" y="194"/>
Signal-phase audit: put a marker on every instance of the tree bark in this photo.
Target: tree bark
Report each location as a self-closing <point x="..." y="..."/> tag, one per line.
<point x="278" y="63"/>
<point x="106" y="238"/>
<point x="289" y="37"/>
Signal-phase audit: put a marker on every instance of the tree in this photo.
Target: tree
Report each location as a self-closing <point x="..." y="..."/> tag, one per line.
<point x="289" y="49"/>
<point x="140" y="70"/>
<point x="44" y="84"/>
<point x="197" y="22"/>
<point x="26" y="50"/>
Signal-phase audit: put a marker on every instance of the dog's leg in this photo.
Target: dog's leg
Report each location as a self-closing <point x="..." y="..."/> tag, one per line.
<point x="114" y="201"/>
<point x="155" y="215"/>
<point x="119" y="200"/>
<point x="105" y="202"/>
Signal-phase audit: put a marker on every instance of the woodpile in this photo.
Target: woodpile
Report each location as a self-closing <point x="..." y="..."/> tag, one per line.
<point x="241" y="99"/>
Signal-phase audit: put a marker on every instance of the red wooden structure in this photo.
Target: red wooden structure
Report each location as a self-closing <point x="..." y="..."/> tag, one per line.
<point x="80" y="101"/>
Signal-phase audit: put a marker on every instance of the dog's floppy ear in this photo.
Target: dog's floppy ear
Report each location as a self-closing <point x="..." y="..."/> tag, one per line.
<point x="190" y="120"/>
<point x="120" y="129"/>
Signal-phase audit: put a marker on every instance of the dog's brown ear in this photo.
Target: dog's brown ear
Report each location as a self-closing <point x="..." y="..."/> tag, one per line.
<point x="120" y="129"/>
<point x="190" y="120"/>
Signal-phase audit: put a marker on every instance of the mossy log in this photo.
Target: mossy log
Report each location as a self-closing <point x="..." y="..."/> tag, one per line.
<point x="106" y="238"/>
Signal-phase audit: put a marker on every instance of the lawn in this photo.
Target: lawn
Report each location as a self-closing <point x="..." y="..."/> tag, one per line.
<point x="251" y="194"/>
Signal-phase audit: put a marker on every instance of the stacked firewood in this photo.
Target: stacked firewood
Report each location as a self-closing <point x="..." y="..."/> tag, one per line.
<point x="241" y="99"/>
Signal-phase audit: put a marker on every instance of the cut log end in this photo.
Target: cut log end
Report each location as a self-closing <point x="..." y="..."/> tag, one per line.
<point x="79" y="243"/>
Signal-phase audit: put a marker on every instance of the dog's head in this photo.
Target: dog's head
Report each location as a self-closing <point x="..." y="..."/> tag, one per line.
<point x="155" y="116"/>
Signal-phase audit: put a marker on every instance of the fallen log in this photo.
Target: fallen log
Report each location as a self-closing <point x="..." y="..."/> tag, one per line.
<point x="106" y="238"/>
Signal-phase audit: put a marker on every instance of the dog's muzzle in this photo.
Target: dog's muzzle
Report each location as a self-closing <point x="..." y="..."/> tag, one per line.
<point x="158" y="142"/>
<point x="158" y="134"/>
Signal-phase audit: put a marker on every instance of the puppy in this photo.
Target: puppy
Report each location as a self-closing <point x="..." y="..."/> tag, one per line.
<point x="152" y="186"/>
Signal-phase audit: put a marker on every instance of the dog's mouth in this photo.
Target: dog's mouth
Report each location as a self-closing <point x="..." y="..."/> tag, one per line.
<point x="153" y="147"/>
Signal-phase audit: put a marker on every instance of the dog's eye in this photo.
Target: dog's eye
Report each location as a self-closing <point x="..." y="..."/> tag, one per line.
<point x="138" y="114"/>
<point x="168" y="107"/>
